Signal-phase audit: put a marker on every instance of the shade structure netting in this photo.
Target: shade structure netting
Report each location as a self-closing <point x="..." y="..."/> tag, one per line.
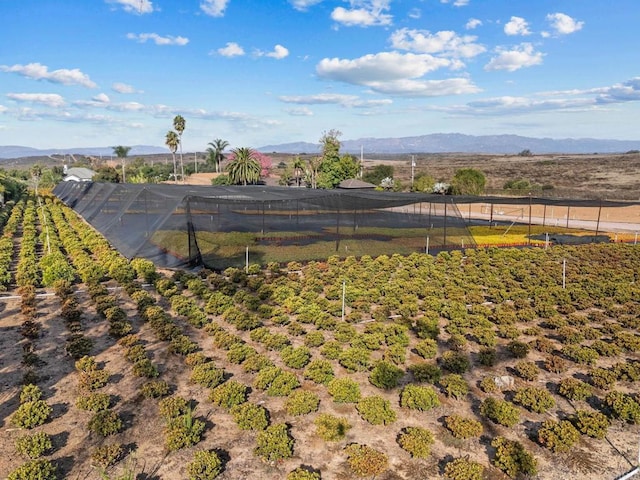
<point x="181" y="226"/>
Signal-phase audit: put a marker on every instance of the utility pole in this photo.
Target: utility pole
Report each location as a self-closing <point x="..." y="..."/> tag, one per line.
<point x="413" y="168"/>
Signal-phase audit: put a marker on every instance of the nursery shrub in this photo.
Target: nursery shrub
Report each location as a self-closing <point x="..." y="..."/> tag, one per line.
<point x="419" y="397"/>
<point x="535" y="399"/>
<point x="463" y="469"/>
<point x="344" y="390"/>
<point x="425" y="372"/>
<point x="302" y="474"/>
<point x="155" y="389"/>
<point x="512" y="458"/>
<point x="454" y="386"/>
<point x="385" y="375"/>
<point x="427" y="348"/>
<point x="463" y="427"/>
<point x="319" y="371"/>
<point x="574" y="389"/>
<point x="105" y="423"/>
<point x="500" y="411"/>
<point x="301" y="402"/>
<point x="107" y="455"/>
<point x="34" y="445"/>
<point x="39" y="469"/>
<point x="330" y="427"/>
<point x="593" y="424"/>
<point x="558" y="436"/>
<point x="207" y="375"/>
<point x="416" y="441"/>
<point x="366" y="461"/>
<point x="455" y="362"/>
<point x="229" y="394"/>
<point x="249" y="416"/>
<point x="376" y="410"/>
<point x="31" y="414"/>
<point x="274" y="443"/>
<point x="93" y="401"/>
<point x="206" y="465"/>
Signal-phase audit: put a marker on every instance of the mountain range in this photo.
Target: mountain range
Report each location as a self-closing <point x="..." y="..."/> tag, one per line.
<point x="432" y="143"/>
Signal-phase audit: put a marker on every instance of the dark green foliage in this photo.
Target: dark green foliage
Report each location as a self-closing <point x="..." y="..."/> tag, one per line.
<point x="229" y="394"/>
<point x="274" y="443"/>
<point x="558" y="436"/>
<point x="455" y="362"/>
<point x="376" y="410"/>
<point x="512" y="458"/>
<point x="385" y="375"/>
<point x="330" y="427"/>
<point x="344" y="390"/>
<point x="301" y="402"/>
<point x="487" y="356"/>
<point x="250" y="416"/>
<point x="425" y="372"/>
<point x="579" y="354"/>
<point x="463" y="427"/>
<point x="536" y="399"/>
<point x="419" y="397"/>
<point x="105" y="423"/>
<point x="454" y="385"/>
<point x="500" y="411"/>
<point x="78" y="346"/>
<point x="518" y="349"/>
<point x="206" y="465"/>
<point x="416" y="441"/>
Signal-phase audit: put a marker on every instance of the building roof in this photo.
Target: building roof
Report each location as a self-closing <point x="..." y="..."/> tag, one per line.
<point x="80" y="172"/>
<point x="355" y="183"/>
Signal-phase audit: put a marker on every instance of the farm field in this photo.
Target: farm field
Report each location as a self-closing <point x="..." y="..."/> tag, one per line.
<point x="470" y="364"/>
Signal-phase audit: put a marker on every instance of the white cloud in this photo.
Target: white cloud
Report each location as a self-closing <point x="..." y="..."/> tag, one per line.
<point x="303" y="5"/>
<point x="473" y="23"/>
<point x="456" y="3"/>
<point x="48" y="99"/>
<point x="563" y="24"/>
<point x="158" y="39"/>
<point x="38" y="71"/>
<point x="299" y="112"/>
<point x="517" y="26"/>
<point x="101" y="98"/>
<point x="124" y="88"/>
<point x="334" y="99"/>
<point x="3" y="109"/>
<point x="415" y="13"/>
<point x="232" y="49"/>
<point x="135" y="6"/>
<point x="628" y="91"/>
<point x="511" y="60"/>
<point x="363" y="13"/>
<point x="279" y="52"/>
<point x="445" y="42"/>
<point x="214" y="8"/>
<point x="395" y="74"/>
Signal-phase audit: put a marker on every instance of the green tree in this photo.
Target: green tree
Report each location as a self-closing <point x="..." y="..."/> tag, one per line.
<point x="378" y="173"/>
<point x="122" y="152"/>
<point x="179" y="124"/>
<point x="244" y="167"/>
<point x="298" y="169"/>
<point x="468" y="181"/>
<point x="171" y="140"/>
<point x="215" y="153"/>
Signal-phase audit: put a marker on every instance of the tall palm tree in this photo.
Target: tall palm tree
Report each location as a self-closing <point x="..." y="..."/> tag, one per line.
<point x="122" y="152"/>
<point x="298" y="168"/>
<point x="215" y="151"/>
<point x="179" y="124"/>
<point x="244" y="168"/>
<point x="172" y="140"/>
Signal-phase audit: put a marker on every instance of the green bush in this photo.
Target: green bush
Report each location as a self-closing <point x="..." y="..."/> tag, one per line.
<point x="385" y="375"/>
<point x="249" y="416"/>
<point x="558" y="436"/>
<point x="463" y="427"/>
<point x="93" y="379"/>
<point x="34" y="445"/>
<point x="295" y="357"/>
<point x="107" y="455"/>
<point x="31" y="414"/>
<point x="416" y="441"/>
<point x="93" y="401"/>
<point x="555" y="364"/>
<point x="30" y="393"/>
<point x="144" y="368"/>
<point x="581" y="355"/>
<point x="622" y="406"/>
<point x="427" y="348"/>
<point x="454" y="385"/>
<point x="183" y="431"/>
<point x="301" y="402"/>
<point x="593" y="424"/>
<point x="105" y="423"/>
<point x="172" y="407"/>
<point x="419" y="397"/>
<point x="206" y="465"/>
<point x="354" y="359"/>
<point x="535" y="399"/>
<point x="366" y="461"/>
<point x="155" y="389"/>
<point x="487" y="357"/>
<point x="425" y="372"/>
<point x="330" y="427"/>
<point x="488" y="384"/>
<point x="512" y="458"/>
<point x="331" y="350"/>
<point x="455" y="362"/>
<point x="182" y="345"/>
<point x="39" y="469"/>
<point x="602" y="378"/>
<point x="239" y="352"/>
<point x="344" y="390"/>
<point x="274" y="443"/>
<point x="574" y="389"/>
<point x="518" y="349"/>
<point x="229" y="394"/>
<point x="314" y="339"/>
<point x="207" y="375"/>
<point x="463" y="469"/>
<point x="376" y="410"/>
<point x="78" y="346"/>
<point x="319" y="371"/>
<point x="302" y="474"/>
<point x="500" y="411"/>
<point x="527" y="370"/>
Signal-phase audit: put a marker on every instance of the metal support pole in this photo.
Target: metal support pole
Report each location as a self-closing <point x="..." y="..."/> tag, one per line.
<point x="564" y="273"/>
<point x="344" y="291"/>
<point x="598" y="222"/>
<point x="529" y="230"/>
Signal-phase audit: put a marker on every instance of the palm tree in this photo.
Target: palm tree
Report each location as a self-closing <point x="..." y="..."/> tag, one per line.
<point x="122" y="152"/>
<point x="215" y="151"/>
<point x="172" y="140"/>
<point x="298" y="168"/>
<point x="244" y="168"/>
<point x="179" y="123"/>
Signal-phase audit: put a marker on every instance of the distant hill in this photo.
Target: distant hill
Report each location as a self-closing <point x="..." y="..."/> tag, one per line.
<point x="17" y="151"/>
<point x="459" y="143"/>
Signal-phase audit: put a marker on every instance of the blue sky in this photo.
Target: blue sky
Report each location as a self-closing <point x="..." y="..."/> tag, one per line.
<point x="257" y="72"/>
